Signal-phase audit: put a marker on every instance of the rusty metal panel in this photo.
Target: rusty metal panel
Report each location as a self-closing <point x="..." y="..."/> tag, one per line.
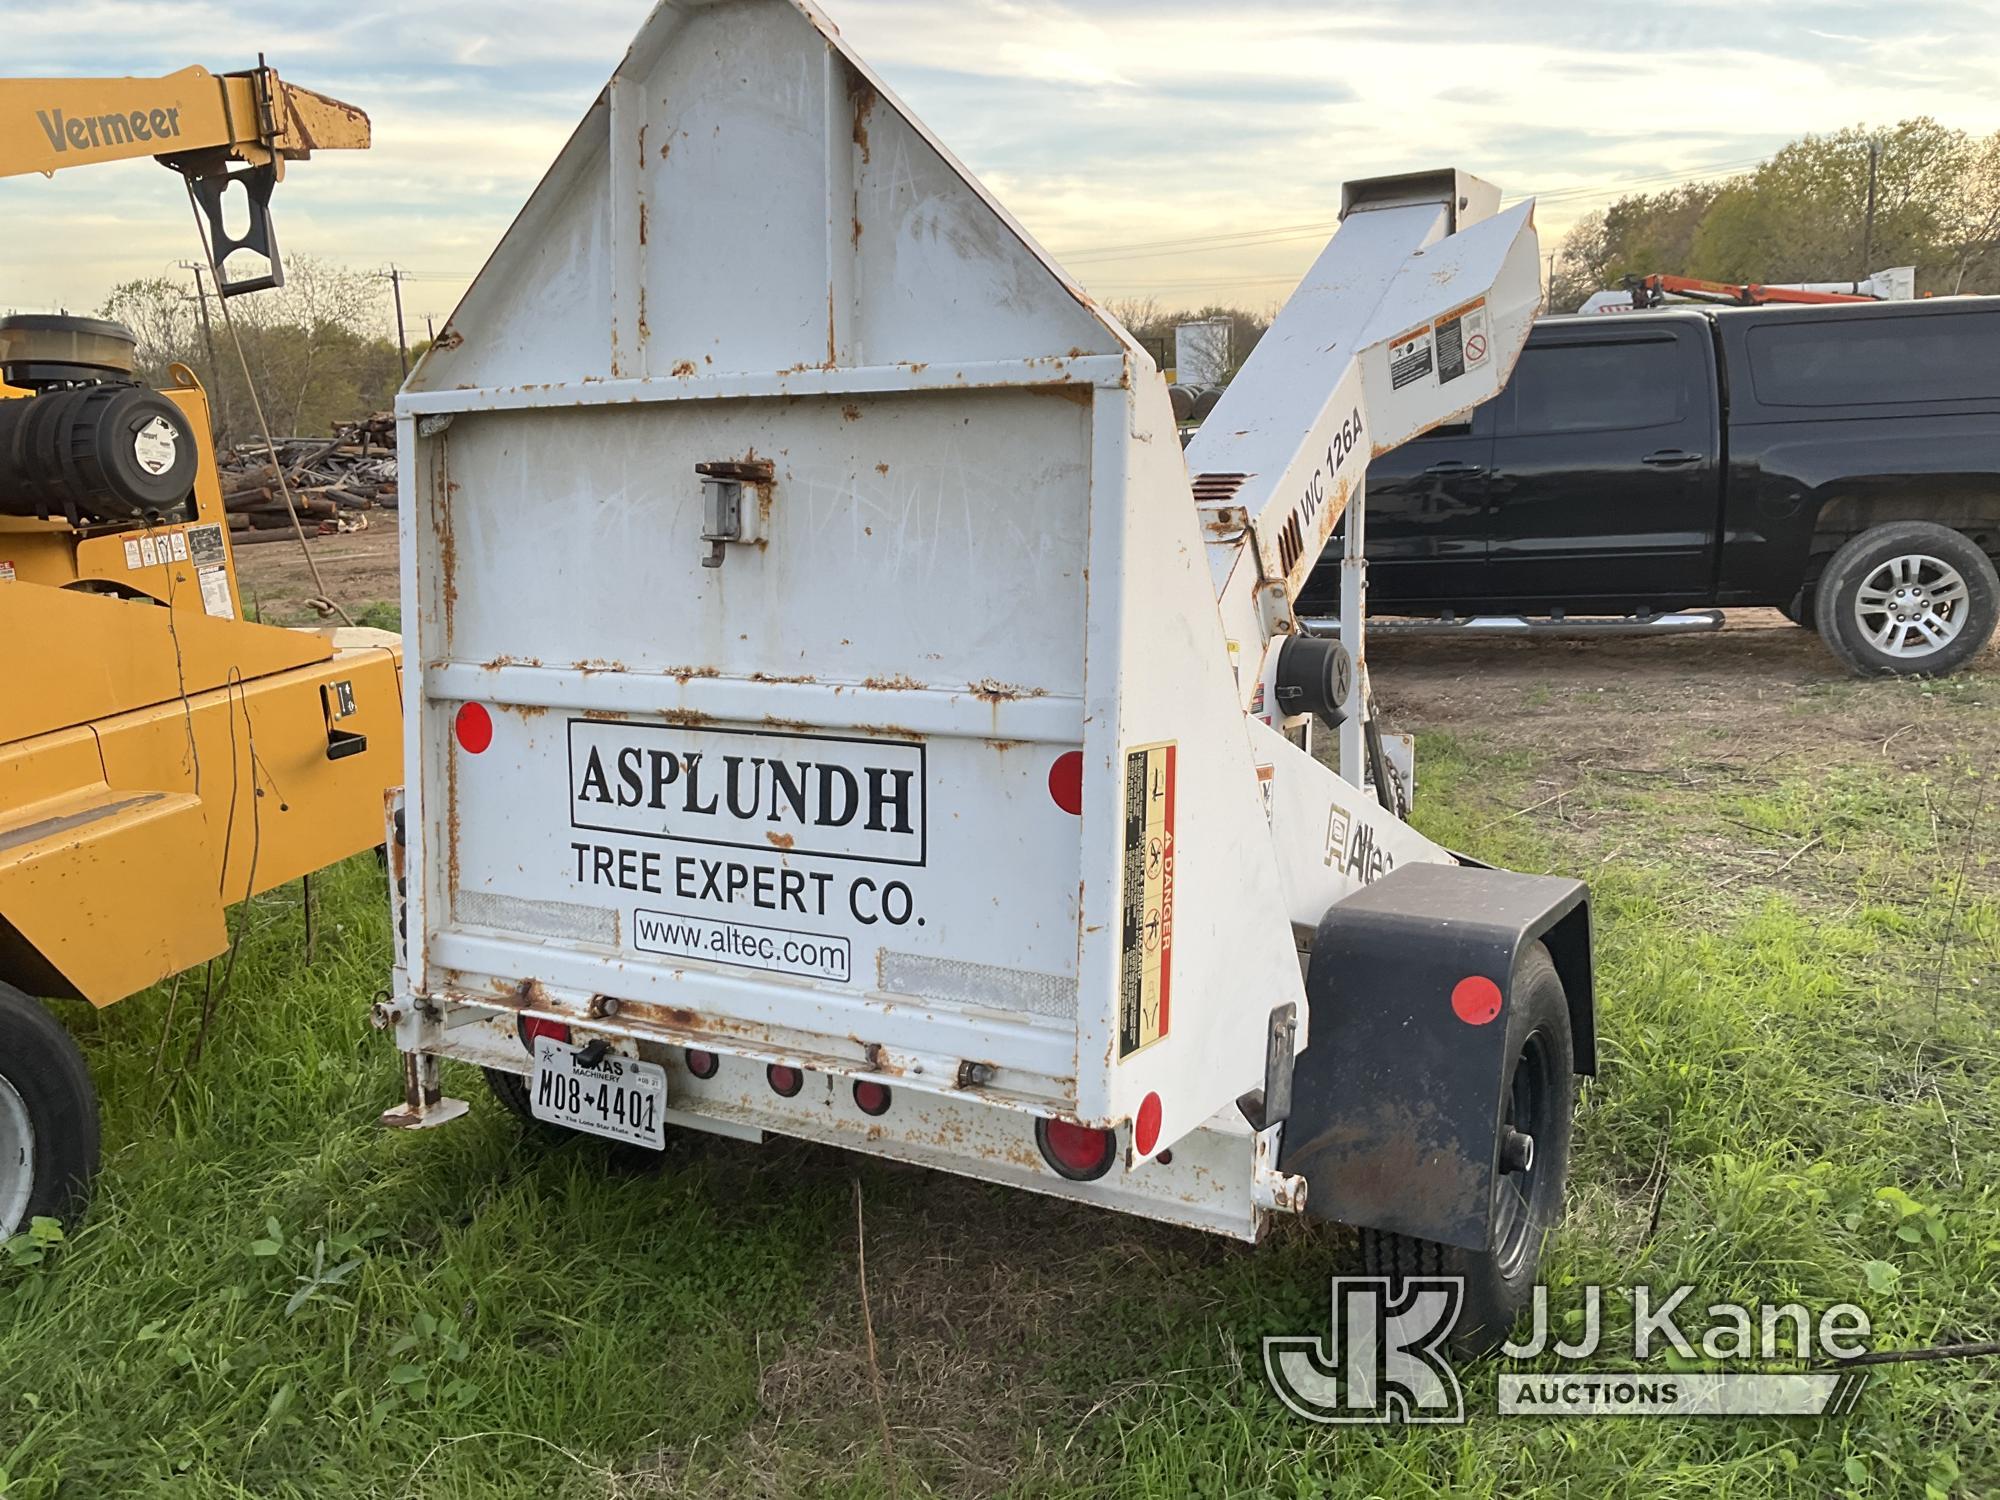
<point x="822" y="658"/>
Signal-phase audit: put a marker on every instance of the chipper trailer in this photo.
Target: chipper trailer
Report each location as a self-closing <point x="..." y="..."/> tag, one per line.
<point x="839" y="711"/>
<point x="161" y="755"/>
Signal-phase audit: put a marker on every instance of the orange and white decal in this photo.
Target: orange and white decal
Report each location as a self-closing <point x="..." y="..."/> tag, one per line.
<point x="1146" y="968"/>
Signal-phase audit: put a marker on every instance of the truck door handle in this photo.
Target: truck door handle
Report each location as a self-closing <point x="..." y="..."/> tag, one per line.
<point x="1671" y="458"/>
<point x="1452" y="468"/>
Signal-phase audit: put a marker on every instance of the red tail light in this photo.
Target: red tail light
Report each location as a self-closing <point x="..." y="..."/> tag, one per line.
<point x="532" y="1027"/>
<point x="474" y="726"/>
<point x="1076" y="1151"/>
<point x="701" y="1064"/>
<point x="1066" y="782"/>
<point x="870" y="1097"/>
<point x="784" y="1081"/>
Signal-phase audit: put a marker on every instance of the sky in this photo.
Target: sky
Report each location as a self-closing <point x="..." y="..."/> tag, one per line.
<point x="1184" y="150"/>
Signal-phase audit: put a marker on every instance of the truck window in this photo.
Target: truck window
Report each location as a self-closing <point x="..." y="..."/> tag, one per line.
<point x="1598" y="387"/>
<point x="1875" y="361"/>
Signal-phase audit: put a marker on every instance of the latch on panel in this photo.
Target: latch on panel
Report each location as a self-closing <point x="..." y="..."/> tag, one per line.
<point x="724" y="515"/>
<point x="1272" y="1104"/>
<point x="337" y="702"/>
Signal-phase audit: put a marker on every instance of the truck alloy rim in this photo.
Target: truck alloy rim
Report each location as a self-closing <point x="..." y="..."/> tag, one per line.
<point x="1911" y="605"/>
<point x="17" y="1159"/>
<point x="1528" y="1116"/>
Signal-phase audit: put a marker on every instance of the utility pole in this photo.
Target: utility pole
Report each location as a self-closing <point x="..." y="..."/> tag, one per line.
<point x="216" y="423"/>
<point x="402" y="343"/>
<point x="1868" y="224"/>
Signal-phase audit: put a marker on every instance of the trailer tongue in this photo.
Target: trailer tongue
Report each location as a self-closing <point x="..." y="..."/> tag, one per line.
<point x="839" y="715"/>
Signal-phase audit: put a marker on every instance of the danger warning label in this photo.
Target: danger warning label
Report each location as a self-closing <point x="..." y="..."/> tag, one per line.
<point x="1410" y="358"/>
<point x="1147" y="928"/>
<point x="1462" y="340"/>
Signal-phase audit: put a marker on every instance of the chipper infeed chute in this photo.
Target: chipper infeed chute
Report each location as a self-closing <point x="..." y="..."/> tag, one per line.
<point x="823" y="663"/>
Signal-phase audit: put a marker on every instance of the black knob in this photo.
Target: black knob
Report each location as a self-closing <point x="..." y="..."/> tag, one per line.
<point x="1315" y="676"/>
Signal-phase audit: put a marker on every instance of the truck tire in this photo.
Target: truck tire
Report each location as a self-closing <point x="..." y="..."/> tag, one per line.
<point x="1907" y="599"/>
<point x="1538" y="1098"/>
<point x="48" y="1117"/>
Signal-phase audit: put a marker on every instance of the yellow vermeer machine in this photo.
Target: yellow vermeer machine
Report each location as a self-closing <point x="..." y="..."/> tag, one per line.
<point x="161" y="757"/>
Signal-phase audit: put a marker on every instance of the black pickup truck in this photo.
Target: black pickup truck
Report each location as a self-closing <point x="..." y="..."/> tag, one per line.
<point x="1840" y="463"/>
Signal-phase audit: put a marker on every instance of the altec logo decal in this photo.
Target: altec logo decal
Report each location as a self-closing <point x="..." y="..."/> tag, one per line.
<point x="793" y="793"/>
<point x="91" y="132"/>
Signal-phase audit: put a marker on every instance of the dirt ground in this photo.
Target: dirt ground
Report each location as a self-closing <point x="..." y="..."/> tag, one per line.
<point x="358" y="569"/>
<point x="1751" y="687"/>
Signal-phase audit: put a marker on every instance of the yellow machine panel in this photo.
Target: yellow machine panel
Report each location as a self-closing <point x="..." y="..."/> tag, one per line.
<point x="161" y="757"/>
<point x="158" y="752"/>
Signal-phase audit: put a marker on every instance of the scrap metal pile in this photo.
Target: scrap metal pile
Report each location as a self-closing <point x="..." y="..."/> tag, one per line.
<point x="334" y="481"/>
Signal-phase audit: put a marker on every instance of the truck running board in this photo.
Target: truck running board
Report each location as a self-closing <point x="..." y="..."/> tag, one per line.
<point x="1682" y="622"/>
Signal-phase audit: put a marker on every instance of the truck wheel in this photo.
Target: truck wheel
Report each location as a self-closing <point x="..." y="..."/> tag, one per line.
<point x="1911" y="598"/>
<point x="1537" y="1099"/>
<point x="48" y="1117"/>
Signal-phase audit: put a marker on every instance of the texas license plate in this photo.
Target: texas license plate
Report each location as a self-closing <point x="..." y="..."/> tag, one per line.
<point x="618" y="1097"/>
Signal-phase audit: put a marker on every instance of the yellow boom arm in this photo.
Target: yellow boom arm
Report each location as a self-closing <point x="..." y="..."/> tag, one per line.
<point x="195" y="121"/>
<point x="193" y="117"/>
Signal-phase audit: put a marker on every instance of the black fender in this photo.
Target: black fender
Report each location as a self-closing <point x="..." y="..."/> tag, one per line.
<point x="1396" y="1107"/>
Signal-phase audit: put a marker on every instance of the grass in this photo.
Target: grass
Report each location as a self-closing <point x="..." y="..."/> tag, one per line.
<point x="273" y="1298"/>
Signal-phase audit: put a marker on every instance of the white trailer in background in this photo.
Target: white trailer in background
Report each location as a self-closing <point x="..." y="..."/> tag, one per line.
<point x="1201" y="351"/>
<point x="836" y="713"/>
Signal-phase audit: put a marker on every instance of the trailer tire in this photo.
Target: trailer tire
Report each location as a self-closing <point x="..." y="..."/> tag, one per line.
<point x="1900" y="565"/>
<point x="511" y="1089"/>
<point x="1538" y="1097"/>
<point x="620" y="1159"/>
<point x="48" y="1117"/>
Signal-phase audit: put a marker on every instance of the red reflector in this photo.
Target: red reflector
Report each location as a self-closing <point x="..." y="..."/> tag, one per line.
<point x="1066" y="782"/>
<point x="784" y="1081"/>
<point x="701" y="1064"/>
<point x="1475" y="999"/>
<point x="1146" y="1129"/>
<point x="474" y="726"/>
<point x="536" y="1026"/>
<point x="1075" y="1151"/>
<point x="871" y="1098"/>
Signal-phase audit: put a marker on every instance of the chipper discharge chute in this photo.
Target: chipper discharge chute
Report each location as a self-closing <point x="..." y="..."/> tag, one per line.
<point x="840" y="714"/>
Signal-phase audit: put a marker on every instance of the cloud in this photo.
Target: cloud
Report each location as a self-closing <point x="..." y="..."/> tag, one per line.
<point x="1113" y="122"/>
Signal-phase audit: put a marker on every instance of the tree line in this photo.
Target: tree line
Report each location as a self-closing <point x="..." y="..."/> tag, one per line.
<point x="1824" y="208"/>
<point x="314" y="348"/>
<point x="1834" y="207"/>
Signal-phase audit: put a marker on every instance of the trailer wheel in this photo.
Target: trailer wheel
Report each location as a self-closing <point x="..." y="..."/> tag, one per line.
<point x="1908" y="599"/>
<point x="48" y="1117"/>
<point x="511" y="1089"/>
<point x="1538" y="1098"/>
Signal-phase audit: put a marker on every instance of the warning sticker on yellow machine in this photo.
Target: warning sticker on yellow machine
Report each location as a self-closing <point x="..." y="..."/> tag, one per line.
<point x="1145" y="988"/>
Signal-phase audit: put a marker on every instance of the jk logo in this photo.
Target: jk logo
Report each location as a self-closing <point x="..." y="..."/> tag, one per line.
<point x="1381" y="1361"/>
